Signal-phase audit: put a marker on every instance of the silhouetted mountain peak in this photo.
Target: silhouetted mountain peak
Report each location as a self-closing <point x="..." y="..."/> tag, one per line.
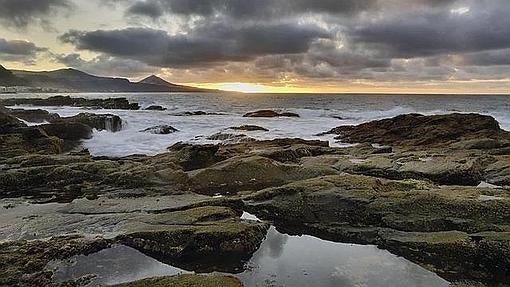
<point x="155" y="80"/>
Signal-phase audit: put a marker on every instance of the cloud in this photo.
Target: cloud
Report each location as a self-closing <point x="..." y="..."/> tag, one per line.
<point x="20" y="13"/>
<point x="206" y="44"/>
<point x="19" y="51"/>
<point x="105" y="65"/>
<point x="246" y="9"/>
<point x="475" y="27"/>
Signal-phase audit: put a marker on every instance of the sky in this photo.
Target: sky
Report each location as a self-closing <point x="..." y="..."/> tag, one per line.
<point x="360" y="46"/>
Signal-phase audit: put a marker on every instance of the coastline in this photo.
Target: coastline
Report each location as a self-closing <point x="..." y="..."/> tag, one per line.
<point x="410" y="184"/>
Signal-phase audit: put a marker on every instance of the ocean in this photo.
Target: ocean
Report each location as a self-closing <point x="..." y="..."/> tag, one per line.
<point x="318" y="113"/>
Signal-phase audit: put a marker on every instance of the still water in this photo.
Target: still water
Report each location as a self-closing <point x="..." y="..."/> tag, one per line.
<point x="282" y="260"/>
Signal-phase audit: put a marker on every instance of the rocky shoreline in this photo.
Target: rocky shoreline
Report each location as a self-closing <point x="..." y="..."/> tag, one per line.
<point x="432" y="189"/>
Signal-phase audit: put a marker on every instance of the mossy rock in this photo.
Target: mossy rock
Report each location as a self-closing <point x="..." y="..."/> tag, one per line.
<point x="188" y="280"/>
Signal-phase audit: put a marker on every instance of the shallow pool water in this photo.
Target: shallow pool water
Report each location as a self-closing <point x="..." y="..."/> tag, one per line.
<point x="282" y="260"/>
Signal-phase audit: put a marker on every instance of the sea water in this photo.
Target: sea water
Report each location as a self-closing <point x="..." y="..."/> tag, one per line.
<point x="318" y="113"/>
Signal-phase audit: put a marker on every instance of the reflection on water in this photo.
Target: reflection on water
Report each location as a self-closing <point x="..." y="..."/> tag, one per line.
<point x="285" y="260"/>
<point x="119" y="264"/>
<point x="282" y="260"/>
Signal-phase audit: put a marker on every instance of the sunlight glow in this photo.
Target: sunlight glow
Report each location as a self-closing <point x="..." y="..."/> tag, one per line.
<point x="252" y="88"/>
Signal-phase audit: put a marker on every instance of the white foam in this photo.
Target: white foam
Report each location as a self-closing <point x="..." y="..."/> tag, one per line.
<point x="315" y="111"/>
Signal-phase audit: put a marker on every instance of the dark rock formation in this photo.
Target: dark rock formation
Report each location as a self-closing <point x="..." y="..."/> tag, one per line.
<point x="155" y="108"/>
<point x="269" y="114"/>
<point x="161" y="130"/>
<point x="249" y="128"/>
<point x="72" y="131"/>
<point x="34" y="116"/>
<point x="16" y="138"/>
<point x="110" y="103"/>
<point x="419" y="130"/>
<point x="199" y="113"/>
<point x="100" y="122"/>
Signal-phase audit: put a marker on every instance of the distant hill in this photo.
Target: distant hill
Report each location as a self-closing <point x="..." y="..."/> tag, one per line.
<point x="72" y="80"/>
<point x="155" y="80"/>
<point x="7" y="78"/>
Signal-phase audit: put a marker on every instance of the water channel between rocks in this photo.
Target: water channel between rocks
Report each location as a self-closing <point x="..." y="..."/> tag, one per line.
<point x="282" y="260"/>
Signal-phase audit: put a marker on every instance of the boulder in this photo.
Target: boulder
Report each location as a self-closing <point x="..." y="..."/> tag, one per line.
<point x="155" y="108"/>
<point x="249" y="128"/>
<point x="199" y="113"/>
<point x="192" y="157"/>
<point x="71" y="131"/>
<point x="16" y="138"/>
<point x="34" y="116"/>
<point x="420" y="130"/>
<point x="109" y="122"/>
<point x="160" y="130"/>
<point x="9" y="122"/>
<point x="269" y="114"/>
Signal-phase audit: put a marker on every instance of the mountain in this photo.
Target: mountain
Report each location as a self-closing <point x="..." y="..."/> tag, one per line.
<point x="7" y="78"/>
<point x="155" y="80"/>
<point x="72" y="80"/>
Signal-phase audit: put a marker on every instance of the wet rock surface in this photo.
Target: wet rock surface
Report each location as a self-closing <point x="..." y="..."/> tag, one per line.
<point x="59" y="101"/>
<point x="187" y="280"/>
<point x="419" y="198"/>
<point x="34" y="116"/>
<point x="249" y="128"/>
<point x="270" y="114"/>
<point x="108" y="122"/>
<point x="160" y="130"/>
<point x="198" y="113"/>
<point x="424" y="131"/>
<point x="155" y="108"/>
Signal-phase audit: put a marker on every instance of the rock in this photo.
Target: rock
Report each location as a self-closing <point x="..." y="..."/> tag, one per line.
<point x="450" y="169"/>
<point x="8" y="123"/>
<point x="16" y="138"/>
<point x="192" y="157"/>
<point x="72" y="131"/>
<point x="34" y="116"/>
<point x="22" y="262"/>
<point x="249" y="128"/>
<point x="425" y="223"/>
<point x="247" y="173"/>
<point x="155" y="108"/>
<point x="419" y="130"/>
<point x="193" y="238"/>
<point x="199" y="113"/>
<point x="110" y="103"/>
<point x="230" y="138"/>
<point x="269" y="114"/>
<point x="100" y="122"/>
<point x="189" y="280"/>
<point x="161" y="130"/>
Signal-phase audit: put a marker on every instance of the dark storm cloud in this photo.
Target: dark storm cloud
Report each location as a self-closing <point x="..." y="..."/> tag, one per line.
<point x="105" y="65"/>
<point x="18" y="51"/>
<point x="148" y="9"/>
<point x="386" y="40"/>
<point x="20" y="13"/>
<point x="205" y="44"/>
<point x="482" y="26"/>
<point x="247" y="8"/>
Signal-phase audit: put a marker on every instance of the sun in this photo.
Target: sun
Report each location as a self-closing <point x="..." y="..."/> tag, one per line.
<point x="242" y="87"/>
